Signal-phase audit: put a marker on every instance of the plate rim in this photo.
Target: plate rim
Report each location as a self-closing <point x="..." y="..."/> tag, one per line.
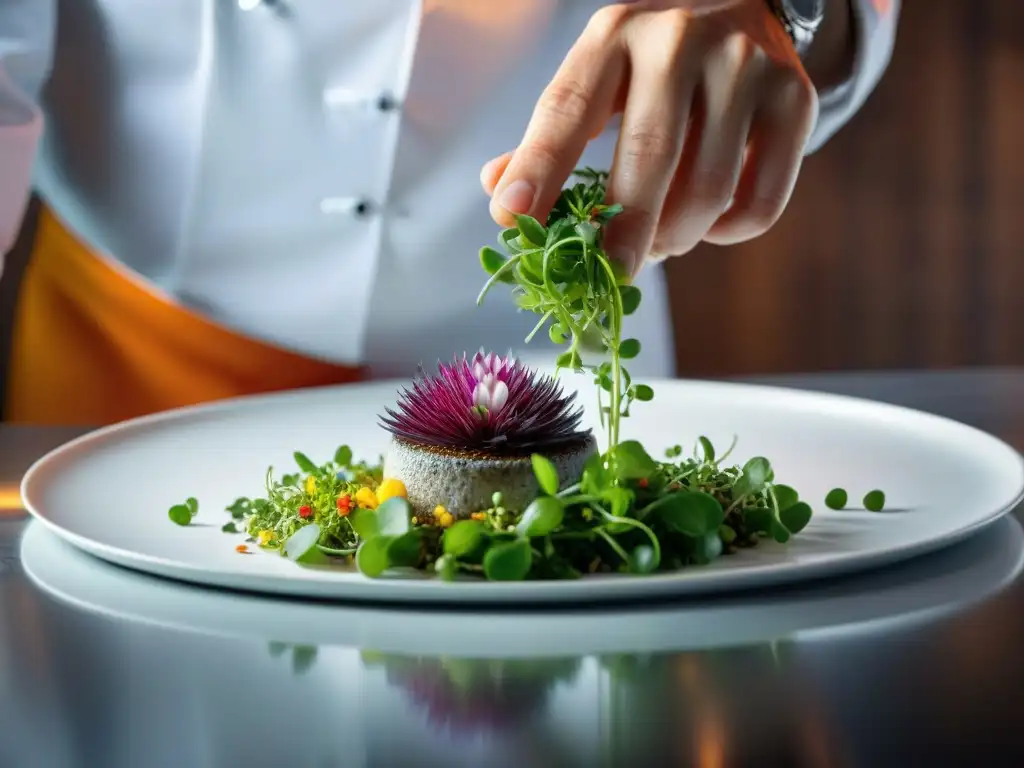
<point x="613" y="589"/>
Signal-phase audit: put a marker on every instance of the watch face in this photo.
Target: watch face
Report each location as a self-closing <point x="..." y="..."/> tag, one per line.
<point x="806" y="11"/>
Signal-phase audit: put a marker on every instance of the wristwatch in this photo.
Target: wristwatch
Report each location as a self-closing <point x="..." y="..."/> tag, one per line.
<point x="801" y="18"/>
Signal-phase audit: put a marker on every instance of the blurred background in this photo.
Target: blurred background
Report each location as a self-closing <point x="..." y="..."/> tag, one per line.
<point x="903" y="246"/>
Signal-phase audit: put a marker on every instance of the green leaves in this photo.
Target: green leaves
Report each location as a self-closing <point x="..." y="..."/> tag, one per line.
<point x="304" y="463"/>
<point x="630" y="461"/>
<point x="542" y="517"/>
<point x="532" y="230"/>
<point x="303" y="542"/>
<point x="835" y="499"/>
<point x="393" y="517"/>
<point x="546" y="474"/>
<point x="643" y="393"/>
<point x="463" y="538"/>
<point x="796" y="517"/>
<point x="643" y="559"/>
<point x="372" y="556"/>
<point x="494" y="263"/>
<point x="874" y="501"/>
<point x="343" y="456"/>
<point x="509" y="561"/>
<point x="785" y="496"/>
<point x="629" y="349"/>
<point x="182" y="514"/>
<point x="630" y="295"/>
<point x="756" y="473"/>
<point x="693" y="513"/>
<point x="707" y="448"/>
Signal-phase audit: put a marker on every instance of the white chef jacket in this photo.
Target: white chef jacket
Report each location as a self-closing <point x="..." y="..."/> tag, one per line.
<point x="306" y="172"/>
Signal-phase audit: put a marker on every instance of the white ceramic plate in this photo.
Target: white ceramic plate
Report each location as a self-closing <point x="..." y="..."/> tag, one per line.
<point x="108" y="492"/>
<point x="884" y="600"/>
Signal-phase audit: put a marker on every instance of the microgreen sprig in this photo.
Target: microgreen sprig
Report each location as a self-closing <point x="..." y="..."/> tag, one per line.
<point x="559" y="270"/>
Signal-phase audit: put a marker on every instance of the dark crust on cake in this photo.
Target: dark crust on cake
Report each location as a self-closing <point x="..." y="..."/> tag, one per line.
<point x="561" y="448"/>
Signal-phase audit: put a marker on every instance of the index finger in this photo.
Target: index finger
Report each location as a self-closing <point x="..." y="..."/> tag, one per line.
<point x="571" y="109"/>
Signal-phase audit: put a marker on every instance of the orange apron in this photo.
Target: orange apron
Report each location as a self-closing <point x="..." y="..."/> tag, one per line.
<point x="93" y="345"/>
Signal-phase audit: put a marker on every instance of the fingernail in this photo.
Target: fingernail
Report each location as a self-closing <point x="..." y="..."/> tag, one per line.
<point x="518" y="196"/>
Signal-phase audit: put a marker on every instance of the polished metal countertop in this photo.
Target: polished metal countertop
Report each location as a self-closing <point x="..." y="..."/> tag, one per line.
<point x="914" y="665"/>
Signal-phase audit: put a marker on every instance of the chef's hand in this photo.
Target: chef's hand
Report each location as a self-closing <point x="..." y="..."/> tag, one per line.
<point x="716" y="110"/>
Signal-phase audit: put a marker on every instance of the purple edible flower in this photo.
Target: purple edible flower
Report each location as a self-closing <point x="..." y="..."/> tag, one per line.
<point x="485" y="403"/>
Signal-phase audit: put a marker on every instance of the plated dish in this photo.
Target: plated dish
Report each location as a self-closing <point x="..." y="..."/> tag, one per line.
<point x="490" y="481"/>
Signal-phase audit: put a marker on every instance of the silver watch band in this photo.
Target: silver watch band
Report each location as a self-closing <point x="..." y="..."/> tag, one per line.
<point x="800" y="30"/>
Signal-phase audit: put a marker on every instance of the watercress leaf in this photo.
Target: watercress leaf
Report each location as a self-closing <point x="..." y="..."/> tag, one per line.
<point x="618" y="498"/>
<point x="532" y="230"/>
<point x="304" y="463"/>
<point x="643" y="393"/>
<point x="229" y="528"/>
<point x="874" y="501"/>
<point x="756" y="473"/>
<point x="796" y="517"/>
<point x="587" y="231"/>
<point x="631" y="462"/>
<point x="364" y="521"/>
<point x="557" y="333"/>
<point x="193" y="506"/>
<point x="693" y="513"/>
<point x="595" y="476"/>
<point x="446" y="567"/>
<point x="758" y="519"/>
<point x="643" y="559"/>
<point x="491" y="260"/>
<point x="707" y="448"/>
<point x="463" y="537"/>
<point x="405" y="551"/>
<point x="302" y="541"/>
<point x="508" y="562"/>
<point x="709" y="547"/>
<point x="507" y="238"/>
<point x="180" y="514"/>
<point x="836" y="498"/>
<point x="570" y="359"/>
<point x="785" y="496"/>
<point x="546" y="474"/>
<point x="393" y="516"/>
<point x="372" y="556"/>
<point x="630" y="298"/>
<point x="343" y="456"/>
<point x="629" y="349"/>
<point x="542" y="516"/>
<point x="779" y="532"/>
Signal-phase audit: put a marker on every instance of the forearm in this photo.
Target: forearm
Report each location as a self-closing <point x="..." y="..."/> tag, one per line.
<point x="829" y="62"/>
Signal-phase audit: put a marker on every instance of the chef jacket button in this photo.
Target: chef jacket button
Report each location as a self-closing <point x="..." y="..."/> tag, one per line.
<point x="386" y="103"/>
<point x="354" y="206"/>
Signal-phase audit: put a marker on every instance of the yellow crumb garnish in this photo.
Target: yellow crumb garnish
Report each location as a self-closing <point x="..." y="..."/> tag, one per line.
<point x="389" y="489"/>
<point x="264" y="538"/>
<point x="310" y="485"/>
<point x="366" y="498"/>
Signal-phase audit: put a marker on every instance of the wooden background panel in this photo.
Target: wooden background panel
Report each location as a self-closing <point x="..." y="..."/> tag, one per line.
<point x="902" y="246"/>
